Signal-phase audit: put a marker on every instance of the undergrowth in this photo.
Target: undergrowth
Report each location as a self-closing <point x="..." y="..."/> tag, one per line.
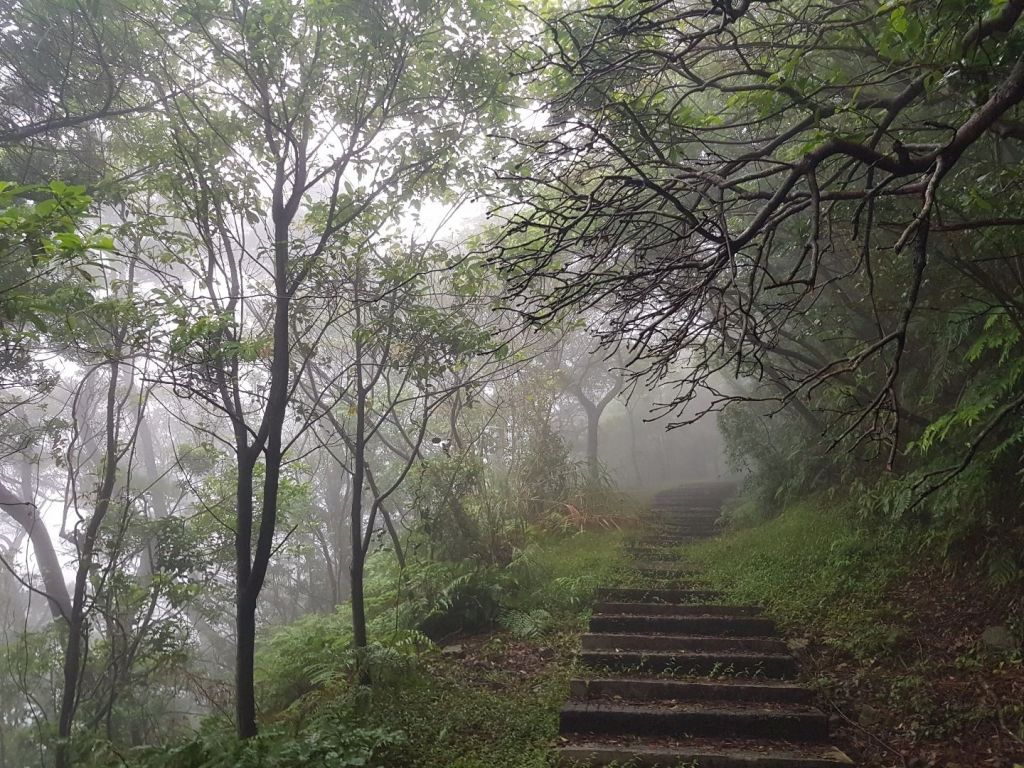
<point x="812" y="567"/>
<point x="468" y="667"/>
<point x="893" y="634"/>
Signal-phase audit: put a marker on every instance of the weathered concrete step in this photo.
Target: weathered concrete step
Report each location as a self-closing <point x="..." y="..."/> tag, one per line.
<point x="665" y="552"/>
<point x="666" y="555"/>
<point x="687" y="502"/>
<point x="722" y="626"/>
<point x="676" y="523"/>
<point x="704" y="529"/>
<point x="681" y="517"/>
<point x="682" y="514"/>
<point x="791" y="722"/>
<point x="616" y="641"/>
<point x="701" y="753"/>
<point x="670" y="542"/>
<point x="667" y="541"/>
<point x="773" y="665"/>
<point x="655" y="565"/>
<point x="677" y="609"/>
<point x="673" y="542"/>
<point x="677" y="511"/>
<point x="641" y="689"/>
<point x="671" y="596"/>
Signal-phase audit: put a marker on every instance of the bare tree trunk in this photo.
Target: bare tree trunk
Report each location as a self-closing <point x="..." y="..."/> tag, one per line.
<point x="77" y="625"/>
<point x="593" y="435"/>
<point x="593" y="411"/>
<point x="25" y="514"/>
<point x="245" y="605"/>
<point x="358" y="478"/>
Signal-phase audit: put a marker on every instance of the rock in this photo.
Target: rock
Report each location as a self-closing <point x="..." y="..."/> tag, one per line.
<point x="998" y="638"/>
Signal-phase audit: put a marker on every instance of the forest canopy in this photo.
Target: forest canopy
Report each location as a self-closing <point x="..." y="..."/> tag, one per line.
<point x="303" y="298"/>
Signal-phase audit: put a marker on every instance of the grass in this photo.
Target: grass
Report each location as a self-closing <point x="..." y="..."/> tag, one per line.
<point x="475" y="715"/>
<point x="893" y="633"/>
<point x="814" y="569"/>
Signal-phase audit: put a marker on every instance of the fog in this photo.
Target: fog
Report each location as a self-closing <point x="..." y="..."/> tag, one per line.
<point x="319" y="321"/>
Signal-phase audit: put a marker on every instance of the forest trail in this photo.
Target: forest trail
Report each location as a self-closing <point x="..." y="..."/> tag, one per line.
<point x="680" y="679"/>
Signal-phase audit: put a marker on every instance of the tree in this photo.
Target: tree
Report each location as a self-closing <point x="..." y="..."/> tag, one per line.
<point x="411" y="343"/>
<point x="714" y="174"/>
<point x="594" y="382"/>
<point x="307" y="125"/>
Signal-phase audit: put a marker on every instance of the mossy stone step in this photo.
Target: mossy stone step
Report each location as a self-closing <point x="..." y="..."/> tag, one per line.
<point x="779" y="666"/>
<point x="791" y="722"/>
<point x="640" y="689"/>
<point x="669" y="542"/>
<point x="723" y="626"/>
<point x="655" y="595"/>
<point x="621" y="641"/>
<point x="706" y="754"/>
<point x="677" y="609"/>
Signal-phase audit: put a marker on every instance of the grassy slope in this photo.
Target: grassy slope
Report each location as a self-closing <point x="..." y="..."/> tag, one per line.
<point x="812" y="568"/>
<point x="893" y="639"/>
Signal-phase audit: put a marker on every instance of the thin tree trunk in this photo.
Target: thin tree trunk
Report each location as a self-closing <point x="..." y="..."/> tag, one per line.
<point x="271" y="427"/>
<point x="77" y="629"/>
<point x="245" y="607"/>
<point x="637" y="474"/>
<point x="358" y="477"/>
<point x="593" y="434"/>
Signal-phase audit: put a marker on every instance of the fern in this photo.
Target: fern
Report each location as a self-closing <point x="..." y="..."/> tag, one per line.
<point x="527" y="624"/>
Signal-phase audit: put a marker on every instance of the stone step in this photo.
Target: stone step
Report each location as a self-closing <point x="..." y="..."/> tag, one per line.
<point x="647" y="689"/>
<point x="703" y="753"/>
<point x="666" y="542"/>
<point x="664" y="554"/>
<point x="669" y="542"/>
<point x="786" y="721"/>
<point x="664" y="568"/>
<point x="677" y="609"/>
<point x="683" y="511"/>
<point x="672" y="542"/>
<point x="687" y="503"/>
<point x="772" y="665"/>
<point x="671" y="596"/>
<point x="722" y="626"/>
<point x="681" y="517"/>
<point x="696" y="529"/>
<point x="616" y="641"/>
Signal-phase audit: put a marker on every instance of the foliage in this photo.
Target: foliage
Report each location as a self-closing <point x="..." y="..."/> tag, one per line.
<point x="47" y="263"/>
<point x="330" y="738"/>
<point x="811" y="566"/>
<point x="424" y="708"/>
<point x="759" y="192"/>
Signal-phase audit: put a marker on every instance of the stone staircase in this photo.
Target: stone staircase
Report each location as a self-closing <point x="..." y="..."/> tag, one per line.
<point x="677" y="679"/>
